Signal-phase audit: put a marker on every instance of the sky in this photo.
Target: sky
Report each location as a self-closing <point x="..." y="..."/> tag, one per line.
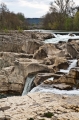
<point x="30" y="8"/>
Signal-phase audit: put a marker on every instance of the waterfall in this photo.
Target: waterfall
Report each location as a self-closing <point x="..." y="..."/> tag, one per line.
<point x="72" y="65"/>
<point x="28" y="85"/>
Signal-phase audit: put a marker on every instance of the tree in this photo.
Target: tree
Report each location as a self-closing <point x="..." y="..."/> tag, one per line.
<point x="10" y="20"/>
<point x="21" y="16"/>
<point x="3" y="11"/>
<point x="60" y="13"/>
<point x="62" y="6"/>
<point x="76" y="21"/>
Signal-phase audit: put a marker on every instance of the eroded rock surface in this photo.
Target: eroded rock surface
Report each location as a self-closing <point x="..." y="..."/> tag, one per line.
<point x="40" y="106"/>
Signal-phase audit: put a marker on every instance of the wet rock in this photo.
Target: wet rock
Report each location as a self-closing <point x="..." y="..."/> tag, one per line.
<point x="74" y="73"/>
<point x="65" y="79"/>
<point x="40" y="77"/>
<point x="62" y="86"/>
<point x="71" y="34"/>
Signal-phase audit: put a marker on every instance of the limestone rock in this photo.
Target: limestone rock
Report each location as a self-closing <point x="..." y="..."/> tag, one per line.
<point x="65" y="79"/>
<point x="40" y="77"/>
<point x="40" y="54"/>
<point x="32" y="46"/>
<point x="36" y="106"/>
<point x="62" y="86"/>
<point x="11" y="80"/>
<point x="72" y="50"/>
<point x="32" y="68"/>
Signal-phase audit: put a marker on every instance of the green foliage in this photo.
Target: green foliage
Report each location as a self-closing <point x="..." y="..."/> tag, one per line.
<point x="63" y="18"/>
<point x="21" y="16"/>
<point x="68" y="24"/>
<point x="20" y="30"/>
<point x="10" y="20"/>
<point x="48" y="115"/>
<point x="76" y="21"/>
<point x="6" y="30"/>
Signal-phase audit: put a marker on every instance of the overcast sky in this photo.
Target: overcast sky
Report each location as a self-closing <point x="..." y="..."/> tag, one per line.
<point x="30" y="8"/>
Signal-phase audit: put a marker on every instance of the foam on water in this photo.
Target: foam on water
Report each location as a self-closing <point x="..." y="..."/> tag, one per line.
<point x="41" y="88"/>
<point x="59" y="37"/>
<point x="54" y="90"/>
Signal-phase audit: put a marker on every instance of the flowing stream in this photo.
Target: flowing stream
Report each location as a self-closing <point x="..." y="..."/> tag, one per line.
<point x="28" y="85"/>
<point x="47" y="88"/>
<point x="59" y="37"/>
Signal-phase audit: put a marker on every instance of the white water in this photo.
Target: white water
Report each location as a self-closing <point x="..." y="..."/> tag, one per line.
<point x="28" y="85"/>
<point x="52" y="78"/>
<point x="53" y="90"/>
<point x="41" y="88"/>
<point x="60" y="38"/>
<point x="72" y="65"/>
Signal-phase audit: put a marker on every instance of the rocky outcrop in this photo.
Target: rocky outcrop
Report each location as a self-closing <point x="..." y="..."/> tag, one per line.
<point x="11" y="80"/>
<point x="32" y="46"/>
<point x="40" y="77"/>
<point x="40" y="106"/>
<point x="73" y="48"/>
<point x="14" y="68"/>
<point x="23" y="55"/>
<point x="41" y="36"/>
<point x="62" y="86"/>
<point x="40" y="54"/>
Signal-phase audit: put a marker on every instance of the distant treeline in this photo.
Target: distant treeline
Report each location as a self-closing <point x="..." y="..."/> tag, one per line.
<point x="10" y="20"/>
<point x="62" y="15"/>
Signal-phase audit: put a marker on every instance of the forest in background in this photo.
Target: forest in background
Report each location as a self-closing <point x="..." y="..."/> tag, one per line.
<point x="62" y="15"/>
<point x="10" y="20"/>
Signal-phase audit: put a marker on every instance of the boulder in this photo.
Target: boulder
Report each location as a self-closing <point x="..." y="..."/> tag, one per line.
<point x="40" y="77"/>
<point x="32" y="46"/>
<point x="65" y="79"/>
<point x="74" y="73"/>
<point x="62" y="86"/>
<point x="40" y="54"/>
<point x="60" y="63"/>
<point x="72" y="50"/>
<point x="41" y="35"/>
<point x="11" y="80"/>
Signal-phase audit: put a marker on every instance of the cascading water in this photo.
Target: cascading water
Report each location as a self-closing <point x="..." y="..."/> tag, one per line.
<point x="59" y="37"/>
<point x="48" y="88"/>
<point x="28" y="85"/>
<point x="72" y="65"/>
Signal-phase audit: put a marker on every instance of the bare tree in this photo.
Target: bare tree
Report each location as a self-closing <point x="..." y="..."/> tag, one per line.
<point x="62" y="6"/>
